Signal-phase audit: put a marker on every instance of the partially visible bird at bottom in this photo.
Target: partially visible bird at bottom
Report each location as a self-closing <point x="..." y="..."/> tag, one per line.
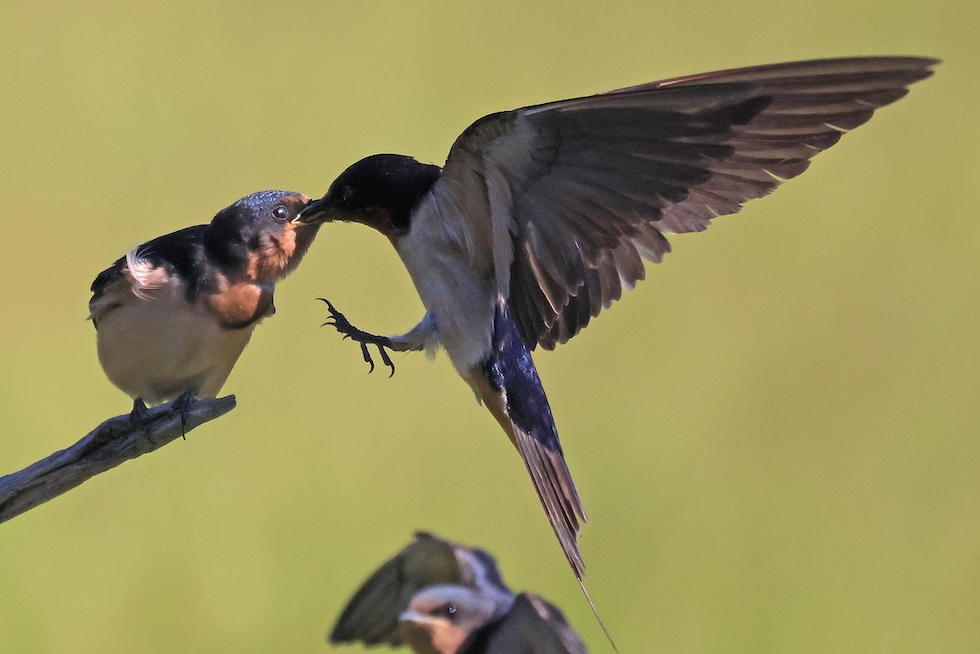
<point x="173" y="315"/>
<point x="439" y="597"/>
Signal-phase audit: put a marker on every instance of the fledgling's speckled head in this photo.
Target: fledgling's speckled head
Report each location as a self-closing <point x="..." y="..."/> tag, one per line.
<point x="261" y="233"/>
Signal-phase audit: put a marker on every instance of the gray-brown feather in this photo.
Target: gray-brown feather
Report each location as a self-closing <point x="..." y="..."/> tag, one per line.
<point x="596" y="182"/>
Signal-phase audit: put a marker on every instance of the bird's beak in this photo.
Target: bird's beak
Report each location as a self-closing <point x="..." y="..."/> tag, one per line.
<point x="315" y="212"/>
<point x="415" y="618"/>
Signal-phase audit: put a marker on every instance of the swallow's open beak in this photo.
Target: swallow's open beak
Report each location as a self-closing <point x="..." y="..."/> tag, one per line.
<point x="315" y="212"/>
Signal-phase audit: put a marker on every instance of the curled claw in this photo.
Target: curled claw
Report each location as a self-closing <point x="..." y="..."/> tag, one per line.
<point x="385" y="359"/>
<point x="339" y="322"/>
<point x="182" y="405"/>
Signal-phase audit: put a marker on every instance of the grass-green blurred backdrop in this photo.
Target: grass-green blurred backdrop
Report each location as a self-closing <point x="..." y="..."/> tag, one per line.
<point x="775" y="435"/>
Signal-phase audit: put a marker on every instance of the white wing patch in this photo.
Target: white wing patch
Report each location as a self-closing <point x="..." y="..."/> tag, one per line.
<point x="143" y="275"/>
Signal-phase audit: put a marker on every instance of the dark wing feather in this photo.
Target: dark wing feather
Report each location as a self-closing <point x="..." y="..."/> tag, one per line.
<point x="372" y="613"/>
<point x="531" y="626"/>
<point x="109" y="289"/>
<point x="592" y="184"/>
<point x="105" y="278"/>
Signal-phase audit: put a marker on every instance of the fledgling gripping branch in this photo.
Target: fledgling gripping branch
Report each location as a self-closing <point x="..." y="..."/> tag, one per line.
<point x="541" y="217"/>
<point x="439" y="597"/>
<point x="174" y="314"/>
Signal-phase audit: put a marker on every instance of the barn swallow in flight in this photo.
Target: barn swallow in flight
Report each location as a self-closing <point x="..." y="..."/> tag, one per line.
<point x="439" y="597"/>
<point x="541" y="217"/>
<point x="174" y="314"/>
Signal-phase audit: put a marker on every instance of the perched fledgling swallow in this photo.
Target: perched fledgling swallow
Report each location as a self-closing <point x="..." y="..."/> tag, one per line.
<point x="439" y="597"/>
<point x="541" y="217"/>
<point x="174" y="314"/>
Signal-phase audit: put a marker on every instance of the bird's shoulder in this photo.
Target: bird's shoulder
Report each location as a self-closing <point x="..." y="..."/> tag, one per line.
<point x="531" y="625"/>
<point x="165" y="260"/>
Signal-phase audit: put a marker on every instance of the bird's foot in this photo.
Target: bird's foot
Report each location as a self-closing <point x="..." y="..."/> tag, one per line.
<point x="182" y="406"/>
<point x="339" y="322"/>
<point x="138" y="415"/>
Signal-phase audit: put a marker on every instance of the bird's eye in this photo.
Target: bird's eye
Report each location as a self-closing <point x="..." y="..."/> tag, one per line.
<point x="447" y="611"/>
<point x="280" y="212"/>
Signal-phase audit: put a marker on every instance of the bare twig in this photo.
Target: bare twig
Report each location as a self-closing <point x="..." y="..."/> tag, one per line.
<point x="111" y="443"/>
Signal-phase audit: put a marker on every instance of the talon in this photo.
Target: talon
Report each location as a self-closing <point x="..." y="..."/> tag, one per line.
<point x="338" y="321"/>
<point x="387" y="361"/>
<point x="182" y="404"/>
<point x="367" y="356"/>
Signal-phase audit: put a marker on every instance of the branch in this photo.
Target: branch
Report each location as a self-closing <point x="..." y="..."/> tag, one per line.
<point x="114" y="441"/>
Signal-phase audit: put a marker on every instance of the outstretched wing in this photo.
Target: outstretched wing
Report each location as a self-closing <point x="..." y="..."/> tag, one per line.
<point x="577" y="193"/>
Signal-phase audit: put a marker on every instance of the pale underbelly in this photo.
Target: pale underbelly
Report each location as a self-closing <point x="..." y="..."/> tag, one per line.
<point x="156" y="349"/>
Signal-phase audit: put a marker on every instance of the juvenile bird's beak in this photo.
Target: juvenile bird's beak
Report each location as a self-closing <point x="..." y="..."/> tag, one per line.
<point x="414" y="617"/>
<point x="315" y="212"/>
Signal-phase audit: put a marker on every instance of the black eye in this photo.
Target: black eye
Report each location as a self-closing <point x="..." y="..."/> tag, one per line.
<point x="280" y="212"/>
<point x="447" y="611"/>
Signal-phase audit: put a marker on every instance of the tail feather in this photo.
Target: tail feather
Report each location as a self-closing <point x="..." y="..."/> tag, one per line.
<point x="508" y="384"/>
<point x="556" y="491"/>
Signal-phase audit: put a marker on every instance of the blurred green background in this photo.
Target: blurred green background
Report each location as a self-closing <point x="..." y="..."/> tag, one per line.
<point x="775" y="435"/>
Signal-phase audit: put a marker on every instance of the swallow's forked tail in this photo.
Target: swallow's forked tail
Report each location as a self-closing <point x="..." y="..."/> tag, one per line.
<point x="508" y="384"/>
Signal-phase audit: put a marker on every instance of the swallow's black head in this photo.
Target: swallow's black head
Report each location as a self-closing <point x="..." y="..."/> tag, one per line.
<point x="381" y="190"/>
<point x="260" y="230"/>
